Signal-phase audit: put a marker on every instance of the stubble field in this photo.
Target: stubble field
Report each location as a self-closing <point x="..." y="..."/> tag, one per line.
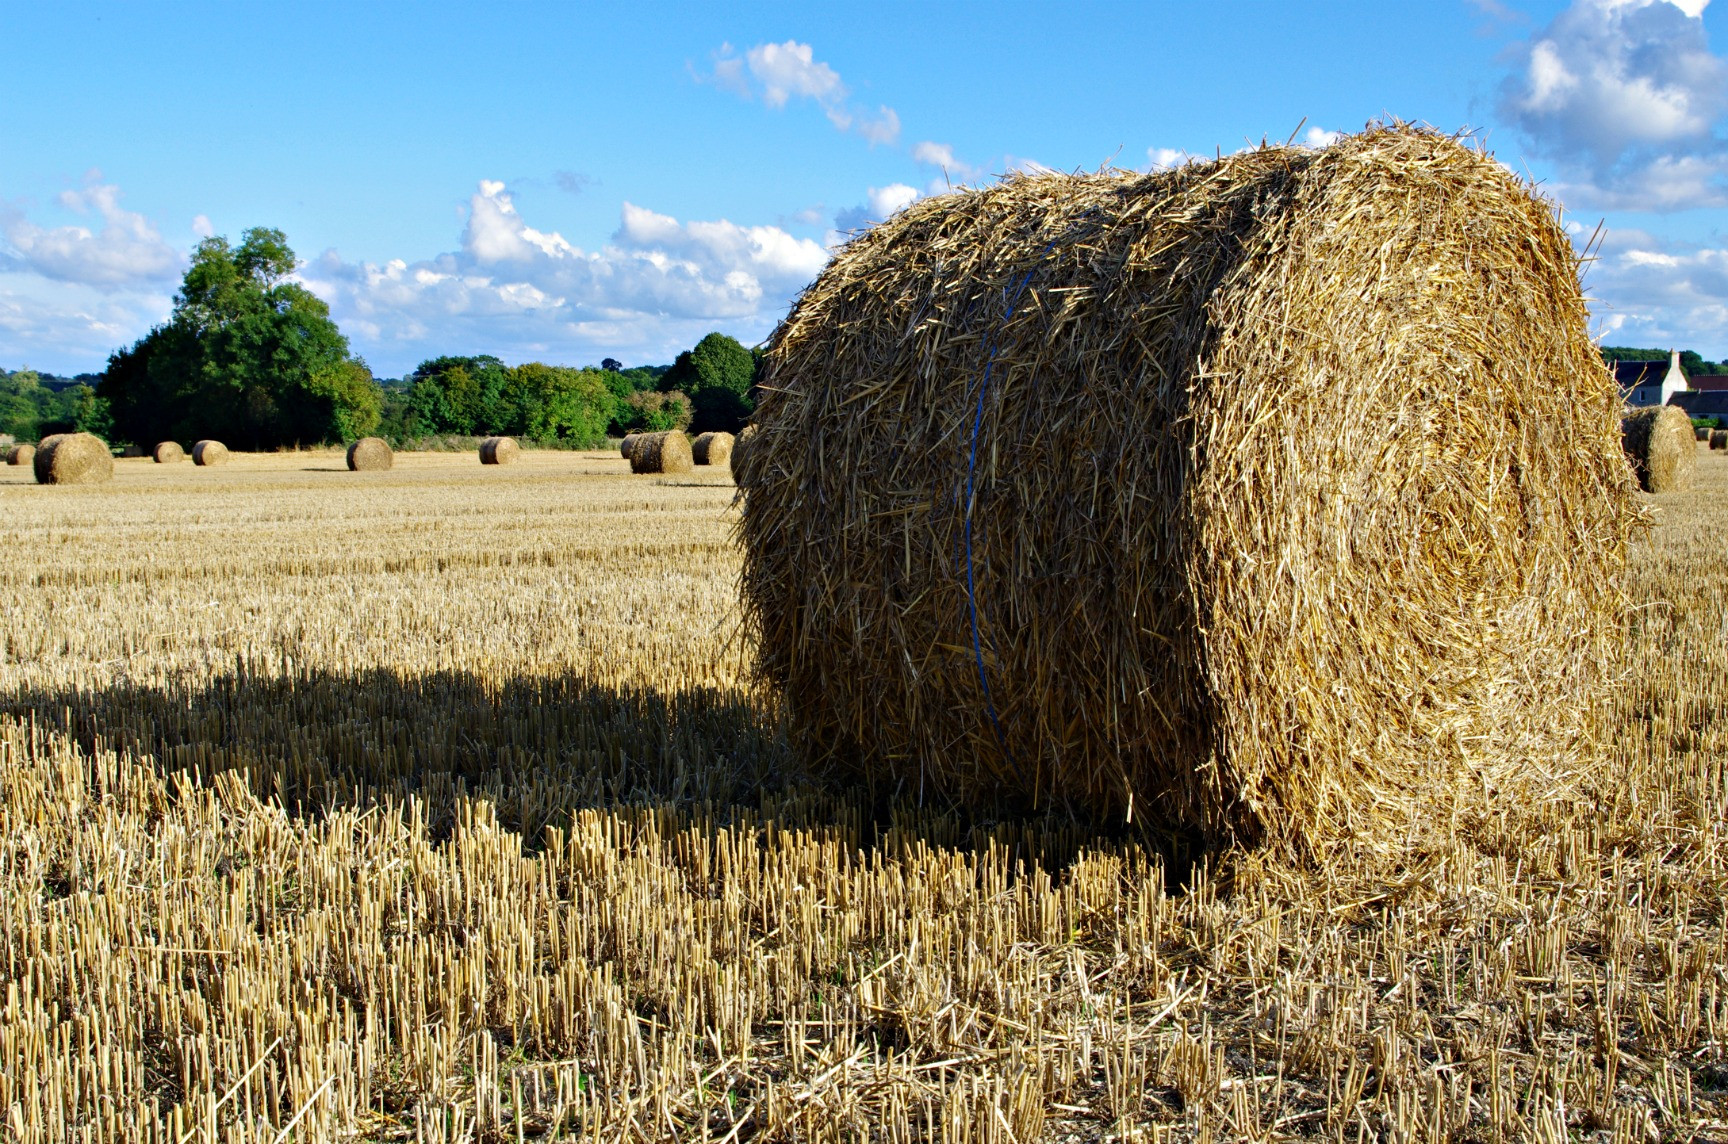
<point x="434" y="805"/>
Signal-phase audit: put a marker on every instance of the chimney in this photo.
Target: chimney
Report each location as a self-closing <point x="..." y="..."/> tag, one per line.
<point x="1673" y="359"/>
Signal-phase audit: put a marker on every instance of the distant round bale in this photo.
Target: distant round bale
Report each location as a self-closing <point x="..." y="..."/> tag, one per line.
<point x="627" y="444"/>
<point x="740" y="449"/>
<point x="73" y="459"/>
<point x="667" y="452"/>
<point x="1660" y="446"/>
<point x="1169" y="498"/>
<point x="370" y="455"/>
<point x="168" y="453"/>
<point x="209" y="453"/>
<point x="1719" y="439"/>
<point x="499" y="451"/>
<point x="1702" y="434"/>
<point x="20" y="454"/>
<point x="712" y="449"/>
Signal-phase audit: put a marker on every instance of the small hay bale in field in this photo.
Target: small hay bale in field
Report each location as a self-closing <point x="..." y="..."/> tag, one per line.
<point x="168" y="453"/>
<point x="73" y="459"/>
<point x="627" y="444"/>
<point x="741" y="448"/>
<point x="370" y="455"/>
<point x="499" y="451"/>
<point x="1168" y="497"/>
<point x="1719" y="439"/>
<point x="1701" y="434"/>
<point x="712" y="449"/>
<point x="20" y="454"/>
<point x="209" y="453"/>
<point x="667" y="452"/>
<point x="1659" y="444"/>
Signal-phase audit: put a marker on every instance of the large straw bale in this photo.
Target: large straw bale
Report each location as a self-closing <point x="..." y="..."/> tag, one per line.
<point x="168" y="453"/>
<point x="1719" y="439"/>
<point x="712" y="448"/>
<point x="1271" y="498"/>
<point x="20" y="454"/>
<point x="73" y="459"/>
<point x="1659" y="444"/>
<point x="499" y="451"/>
<point x="370" y="455"/>
<point x="209" y="453"/>
<point x="667" y="452"/>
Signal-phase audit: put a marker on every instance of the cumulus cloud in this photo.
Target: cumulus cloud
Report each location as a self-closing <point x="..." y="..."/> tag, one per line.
<point x="1651" y="291"/>
<point x="126" y="251"/>
<point x="1320" y="137"/>
<point x="942" y="157"/>
<point x="512" y="288"/>
<point x="1165" y="158"/>
<point x="879" y="203"/>
<point x="1613" y="90"/>
<point x="779" y="73"/>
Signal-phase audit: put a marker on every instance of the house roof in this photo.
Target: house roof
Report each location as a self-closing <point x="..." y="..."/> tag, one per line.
<point x="1709" y="382"/>
<point x="1702" y="403"/>
<point x="1630" y="373"/>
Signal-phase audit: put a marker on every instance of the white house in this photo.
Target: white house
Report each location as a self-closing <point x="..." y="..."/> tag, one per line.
<point x="1645" y="383"/>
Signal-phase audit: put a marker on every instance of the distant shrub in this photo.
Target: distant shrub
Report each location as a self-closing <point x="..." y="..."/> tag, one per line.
<point x="654" y="412"/>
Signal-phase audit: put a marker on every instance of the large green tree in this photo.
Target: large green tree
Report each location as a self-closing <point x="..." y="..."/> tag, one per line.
<point x="716" y="375"/>
<point x="248" y="357"/>
<point x="462" y="395"/>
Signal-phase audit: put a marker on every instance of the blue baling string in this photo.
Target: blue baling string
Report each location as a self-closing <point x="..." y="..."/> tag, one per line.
<point x="971" y="482"/>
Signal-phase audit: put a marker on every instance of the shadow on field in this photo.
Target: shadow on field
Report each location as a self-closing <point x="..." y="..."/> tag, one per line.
<point x="539" y="749"/>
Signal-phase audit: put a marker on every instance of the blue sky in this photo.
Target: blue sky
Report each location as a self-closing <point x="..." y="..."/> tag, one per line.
<point x="566" y="183"/>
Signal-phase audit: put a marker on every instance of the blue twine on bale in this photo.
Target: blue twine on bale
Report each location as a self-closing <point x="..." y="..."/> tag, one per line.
<point x="971" y="482"/>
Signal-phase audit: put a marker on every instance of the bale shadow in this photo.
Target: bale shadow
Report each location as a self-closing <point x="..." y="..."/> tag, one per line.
<point x="539" y="749"/>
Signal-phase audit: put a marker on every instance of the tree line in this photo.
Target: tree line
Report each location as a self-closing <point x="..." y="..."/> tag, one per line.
<point x="253" y="359"/>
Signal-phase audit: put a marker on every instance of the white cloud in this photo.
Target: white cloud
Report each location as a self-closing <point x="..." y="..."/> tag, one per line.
<point x="1613" y="89"/>
<point x="778" y="73"/>
<point x="126" y="252"/>
<point x="941" y="156"/>
<point x="1320" y="137"/>
<point x="879" y="203"/>
<point x="68" y="327"/>
<point x="1652" y="292"/>
<point x="653" y="288"/>
<point x="1165" y="158"/>
<point x="201" y="226"/>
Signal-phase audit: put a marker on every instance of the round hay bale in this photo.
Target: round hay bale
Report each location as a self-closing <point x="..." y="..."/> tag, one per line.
<point x="499" y="451"/>
<point x="209" y="453"/>
<point x="1701" y="434"/>
<point x="370" y="455"/>
<point x="73" y="459"/>
<point x="627" y="444"/>
<point x="1659" y="444"/>
<point x="741" y="448"/>
<point x="168" y="453"/>
<point x="712" y="449"/>
<point x="1719" y="439"/>
<point x="667" y="452"/>
<point x="1169" y="497"/>
<point x="20" y="454"/>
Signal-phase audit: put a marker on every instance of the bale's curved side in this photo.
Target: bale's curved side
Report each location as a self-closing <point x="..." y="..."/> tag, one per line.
<point x="499" y="451"/>
<point x="1272" y="497"/>
<point x="713" y="448"/>
<point x="20" y="454"/>
<point x="667" y="452"/>
<point x="209" y="453"/>
<point x="626" y="445"/>
<point x="1718" y="439"/>
<point x="370" y="455"/>
<point x="168" y="453"/>
<point x="73" y="459"/>
<point x="1659" y="444"/>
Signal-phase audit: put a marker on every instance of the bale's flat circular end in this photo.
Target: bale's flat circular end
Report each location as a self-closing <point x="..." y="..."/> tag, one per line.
<point x="20" y="454"/>
<point x="1661" y="447"/>
<point x="73" y="459"/>
<point x="207" y="453"/>
<point x="168" y="453"/>
<point x="626" y="445"/>
<point x="499" y="451"/>
<point x="713" y="449"/>
<point x="667" y="452"/>
<point x="370" y="455"/>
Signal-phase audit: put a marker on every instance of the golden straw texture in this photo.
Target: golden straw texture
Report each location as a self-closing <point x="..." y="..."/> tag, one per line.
<point x="499" y="451"/>
<point x="209" y="453"/>
<point x="712" y="448"/>
<point x="168" y="453"/>
<point x="20" y="454"/>
<point x="370" y="455"/>
<point x="1274" y="498"/>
